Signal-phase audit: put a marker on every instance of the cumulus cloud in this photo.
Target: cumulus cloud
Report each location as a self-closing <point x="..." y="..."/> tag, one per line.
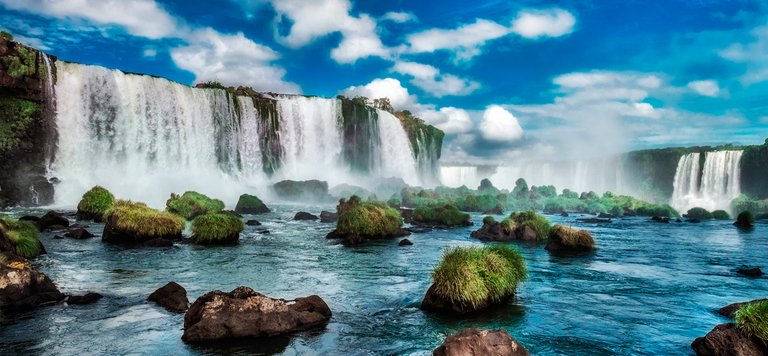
<point x="399" y="17"/>
<point x="543" y="23"/>
<point x="390" y="88"/>
<point x="450" y="120"/>
<point x="753" y="54"/>
<point x="499" y="125"/>
<point x="429" y="79"/>
<point x="705" y="87"/>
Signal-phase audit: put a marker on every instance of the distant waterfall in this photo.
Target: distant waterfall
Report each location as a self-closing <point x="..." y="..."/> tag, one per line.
<point x="456" y="176"/>
<point x="144" y="137"/>
<point x="712" y="186"/>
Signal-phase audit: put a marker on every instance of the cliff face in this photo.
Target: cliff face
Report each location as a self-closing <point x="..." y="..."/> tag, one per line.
<point x="27" y="128"/>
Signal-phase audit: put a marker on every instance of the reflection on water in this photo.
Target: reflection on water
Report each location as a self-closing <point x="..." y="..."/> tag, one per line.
<point x="649" y="289"/>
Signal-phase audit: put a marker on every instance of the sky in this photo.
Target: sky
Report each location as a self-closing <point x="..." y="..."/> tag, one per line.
<point x="505" y="80"/>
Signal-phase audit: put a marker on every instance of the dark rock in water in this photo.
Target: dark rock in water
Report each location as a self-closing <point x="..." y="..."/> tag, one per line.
<point x="731" y="309"/>
<point x="564" y="214"/>
<point x="606" y="216"/>
<point x="52" y="220"/>
<point x="56" y="227"/>
<point x="253" y="223"/>
<point x="476" y="342"/>
<point x="23" y="287"/>
<point x="727" y="339"/>
<point x="303" y="215"/>
<point x="526" y="233"/>
<point x="434" y="302"/>
<point x="172" y="297"/>
<point x="328" y="217"/>
<point x="312" y="190"/>
<point x="88" y="298"/>
<point x="251" y="204"/>
<point x="420" y="229"/>
<point x="33" y="219"/>
<point x="405" y="242"/>
<point x="158" y="243"/>
<point x="660" y="219"/>
<point x="58" y="237"/>
<point x="496" y="231"/>
<point x="263" y="232"/>
<point x="749" y="272"/>
<point x="495" y="211"/>
<point x="594" y="220"/>
<point x="693" y="221"/>
<point x="79" y="234"/>
<point x="244" y="313"/>
<point x="678" y="221"/>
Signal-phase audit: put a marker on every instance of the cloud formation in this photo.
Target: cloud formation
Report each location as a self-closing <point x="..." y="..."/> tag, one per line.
<point x="429" y="79"/>
<point x="705" y="87"/>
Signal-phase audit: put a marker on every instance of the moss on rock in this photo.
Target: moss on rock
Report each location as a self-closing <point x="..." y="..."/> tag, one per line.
<point x="95" y="203"/>
<point x="720" y="215"/>
<point x="250" y="204"/>
<point x="359" y="221"/>
<point x="445" y="215"/>
<point x="698" y="213"/>
<point x="534" y="220"/>
<point x="745" y="219"/>
<point x="193" y="204"/>
<point x="23" y="237"/>
<point x="566" y="239"/>
<point x="217" y="229"/>
<point x="132" y="222"/>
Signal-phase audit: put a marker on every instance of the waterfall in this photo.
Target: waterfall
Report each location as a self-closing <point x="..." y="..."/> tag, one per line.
<point x="718" y="185"/>
<point x="456" y="176"/>
<point x="144" y="137"/>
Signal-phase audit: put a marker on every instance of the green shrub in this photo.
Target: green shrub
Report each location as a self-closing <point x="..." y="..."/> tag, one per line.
<point x="471" y="276"/>
<point x="657" y="210"/>
<point x="745" y="219"/>
<point x="744" y="203"/>
<point x="142" y="221"/>
<point x="477" y="203"/>
<point x="720" y="215"/>
<point x="572" y="238"/>
<point x="17" y="117"/>
<point x="23" y="236"/>
<point x="446" y="214"/>
<point x="6" y="35"/>
<point x="698" y="213"/>
<point x="216" y="227"/>
<point x="192" y="204"/>
<point x="96" y="201"/>
<point x="250" y="204"/>
<point x="20" y="64"/>
<point x="752" y="319"/>
<point x="358" y="219"/>
<point x="537" y="222"/>
<point x="489" y="220"/>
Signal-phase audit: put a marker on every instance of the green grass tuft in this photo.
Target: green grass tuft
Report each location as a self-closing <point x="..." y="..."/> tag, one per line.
<point x="192" y="204"/>
<point x="143" y="221"/>
<point x="96" y="201"/>
<point x="23" y="236"/>
<point x="212" y="228"/>
<point x="535" y="221"/>
<point x="445" y="214"/>
<point x="369" y="218"/>
<point x="720" y="215"/>
<point x="752" y="319"/>
<point x="698" y="213"/>
<point x="471" y="276"/>
<point x="571" y="237"/>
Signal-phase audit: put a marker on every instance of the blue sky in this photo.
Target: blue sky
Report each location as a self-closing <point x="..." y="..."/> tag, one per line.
<point x="505" y="80"/>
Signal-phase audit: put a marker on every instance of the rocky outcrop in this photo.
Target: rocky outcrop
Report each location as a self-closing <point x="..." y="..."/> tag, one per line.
<point x="749" y="271"/>
<point x="172" y="297"/>
<point x="303" y="215"/>
<point x="476" y="342"/>
<point x="731" y="309"/>
<point x="22" y="287"/>
<point x="53" y="220"/>
<point x="496" y="231"/>
<point x="726" y="339"/>
<point x="26" y="109"/>
<point x="434" y="302"/>
<point x="244" y="313"/>
<point x="328" y="217"/>
<point x="564" y="239"/>
<point x="79" y="234"/>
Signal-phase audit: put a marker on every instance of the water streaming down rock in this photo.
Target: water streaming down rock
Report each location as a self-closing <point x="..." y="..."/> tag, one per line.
<point x="456" y="176"/>
<point x="712" y="186"/>
<point x="144" y="137"/>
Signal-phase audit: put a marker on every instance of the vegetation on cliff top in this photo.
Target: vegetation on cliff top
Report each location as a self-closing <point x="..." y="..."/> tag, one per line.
<point x="142" y="221"/>
<point x="17" y="115"/>
<point x="192" y="204"/>
<point x="21" y="62"/>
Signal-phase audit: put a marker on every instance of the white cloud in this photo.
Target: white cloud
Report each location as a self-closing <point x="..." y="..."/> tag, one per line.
<point x="450" y="120"/>
<point x="143" y="18"/>
<point x="543" y="23"/>
<point x="149" y="52"/>
<point x="231" y="60"/>
<point x="313" y="19"/>
<point x="384" y="88"/>
<point x="429" y="79"/>
<point x="753" y="54"/>
<point x="705" y="87"/>
<point x="399" y="17"/>
<point x="499" y="125"/>
<point x="465" y="40"/>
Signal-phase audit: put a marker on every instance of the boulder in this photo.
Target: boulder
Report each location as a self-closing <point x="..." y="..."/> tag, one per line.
<point x="476" y="342"/>
<point x="749" y="272"/>
<point x="79" y="234"/>
<point x="328" y="217"/>
<point x="526" y="233"/>
<point x="726" y="339"/>
<point x="731" y="309"/>
<point x="244" y="313"/>
<point x="172" y="297"/>
<point x="87" y="298"/>
<point x="22" y="287"/>
<point x="303" y="215"/>
<point x="53" y="220"/>
<point x="253" y="223"/>
<point x="564" y="214"/>
<point x="660" y="219"/>
<point x="493" y="231"/>
<point x="405" y="242"/>
<point x="566" y="239"/>
<point x="251" y="204"/>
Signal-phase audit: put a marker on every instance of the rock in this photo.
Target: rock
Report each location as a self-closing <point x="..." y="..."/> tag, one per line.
<point x="253" y="223"/>
<point x="606" y="216"/>
<point x="678" y="221"/>
<point x="495" y="211"/>
<point x="22" y="287"/>
<point x="564" y="214"/>
<point x="750" y="272"/>
<point x="730" y="310"/>
<point x="310" y="190"/>
<point x="263" y="232"/>
<point x="244" y="313"/>
<point x="563" y="239"/>
<point x="594" y="220"/>
<point x="88" y="298"/>
<point x="660" y="219"/>
<point x="476" y="342"/>
<point x="433" y="302"/>
<point x="79" y="234"/>
<point x="172" y="297"/>
<point x="251" y="204"/>
<point x="53" y="221"/>
<point x="407" y="215"/>
<point x="303" y="215"/>
<point x="405" y="242"/>
<point x="328" y="217"/>
<point x="726" y="339"/>
<point x="56" y="227"/>
<point x="526" y="233"/>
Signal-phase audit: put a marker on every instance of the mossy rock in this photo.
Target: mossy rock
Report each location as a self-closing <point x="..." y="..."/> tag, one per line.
<point x="444" y="216"/>
<point x="250" y="204"/>
<point x="535" y="221"/>
<point x="699" y="213"/>
<point x="217" y="229"/>
<point x="20" y="238"/>
<point x="359" y="221"/>
<point x="745" y="219"/>
<point x="133" y="223"/>
<point x="314" y="190"/>
<point x="720" y="215"/>
<point x="564" y="239"/>
<point x="474" y="278"/>
<point x="94" y="204"/>
<point x="193" y="204"/>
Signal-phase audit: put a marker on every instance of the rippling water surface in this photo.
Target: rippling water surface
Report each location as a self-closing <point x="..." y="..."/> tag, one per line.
<point x="649" y="289"/>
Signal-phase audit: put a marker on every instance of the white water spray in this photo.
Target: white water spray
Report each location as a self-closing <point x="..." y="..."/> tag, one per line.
<point x="718" y="186"/>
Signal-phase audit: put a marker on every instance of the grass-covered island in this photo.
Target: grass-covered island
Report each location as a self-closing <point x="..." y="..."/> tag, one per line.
<point x="366" y="220"/>
<point x="133" y="223"/>
<point x="216" y="229"/>
<point x="95" y="203"/>
<point x="193" y="204"/>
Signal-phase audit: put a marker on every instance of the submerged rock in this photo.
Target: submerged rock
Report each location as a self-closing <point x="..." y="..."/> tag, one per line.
<point x="405" y="242"/>
<point x="87" y="298"/>
<point x="244" y="313"/>
<point x="53" y="221"/>
<point x="750" y="272"/>
<point x="328" y="217"/>
<point x="476" y="342"/>
<point x="660" y="219"/>
<point x="253" y="223"/>
<point x="172" y="297"/>
<point x="727" y="339"/>
<point x="303" y="215"/>
<point x="79" y="234"/>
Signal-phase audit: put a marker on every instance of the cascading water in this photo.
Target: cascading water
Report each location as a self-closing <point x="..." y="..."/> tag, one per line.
<point x="144" y="137"/>
<point x="718" y="186"/>
<point x="456" y="176"/>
